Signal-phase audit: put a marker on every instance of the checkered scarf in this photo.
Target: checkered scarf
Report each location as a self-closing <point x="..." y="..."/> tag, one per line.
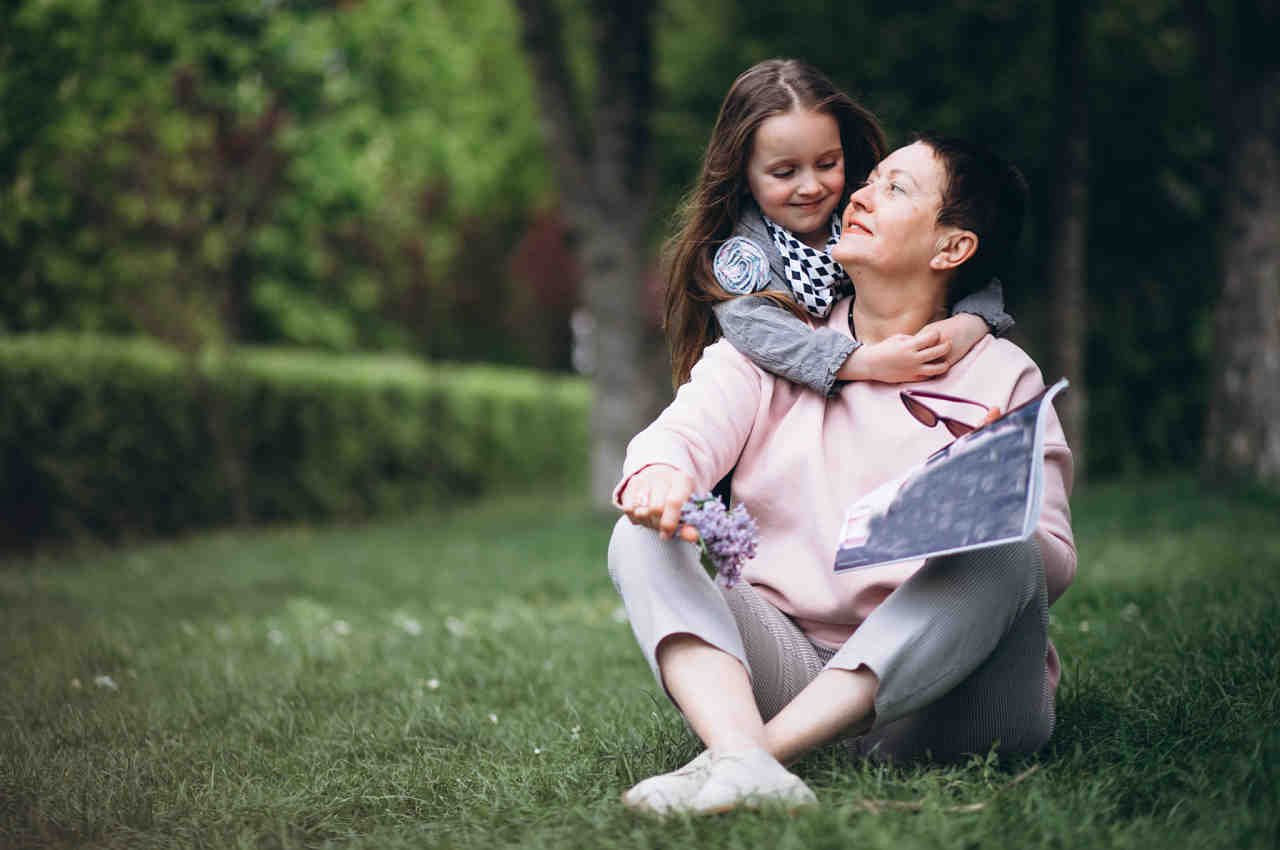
<point x="816" y="280"/>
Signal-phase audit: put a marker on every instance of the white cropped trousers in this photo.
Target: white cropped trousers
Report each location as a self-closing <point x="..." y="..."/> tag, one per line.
<point x="958" y="648"/>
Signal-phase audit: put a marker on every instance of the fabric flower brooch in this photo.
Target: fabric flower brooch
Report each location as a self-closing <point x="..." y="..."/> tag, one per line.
<point x="741" y="266"/>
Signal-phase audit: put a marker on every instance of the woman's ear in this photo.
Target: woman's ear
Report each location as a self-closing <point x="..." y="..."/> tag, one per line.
<point x="953" y="249"/>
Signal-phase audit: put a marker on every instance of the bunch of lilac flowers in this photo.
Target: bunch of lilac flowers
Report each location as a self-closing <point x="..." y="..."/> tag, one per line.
<point x="727" y="538"/>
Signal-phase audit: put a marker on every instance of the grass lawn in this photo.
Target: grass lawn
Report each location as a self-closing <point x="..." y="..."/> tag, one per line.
<point x="465" y="679"/>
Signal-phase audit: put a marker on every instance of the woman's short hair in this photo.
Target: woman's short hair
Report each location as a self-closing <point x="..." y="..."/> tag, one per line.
<point x="986" y="194"/>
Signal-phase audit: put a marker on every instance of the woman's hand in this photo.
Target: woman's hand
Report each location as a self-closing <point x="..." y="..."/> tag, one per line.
<point x="654" y="497"/>
<point x="962" y="330"/>
<point x="899" y="359"/>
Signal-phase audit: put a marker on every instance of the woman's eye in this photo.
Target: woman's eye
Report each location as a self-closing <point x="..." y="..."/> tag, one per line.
<point x="894" y="187"/>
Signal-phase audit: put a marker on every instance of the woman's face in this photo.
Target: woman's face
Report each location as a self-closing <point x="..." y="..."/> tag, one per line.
<point x="796" y="172"/>
<point x="890" y="224"/>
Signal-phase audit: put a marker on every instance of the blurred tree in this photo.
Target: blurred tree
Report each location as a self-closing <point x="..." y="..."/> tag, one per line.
<point x="1237" y="45"/>
<point x="306" y="172"/>
<point x="603" y="159"/>
<point x="551" y="291"/>
<point x="1069" y="216"/>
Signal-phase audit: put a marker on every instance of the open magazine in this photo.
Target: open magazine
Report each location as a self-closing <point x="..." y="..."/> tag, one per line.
<point x="984" y="489"/>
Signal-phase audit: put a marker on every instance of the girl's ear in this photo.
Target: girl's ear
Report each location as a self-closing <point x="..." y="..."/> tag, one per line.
<point x="953" y="249"/>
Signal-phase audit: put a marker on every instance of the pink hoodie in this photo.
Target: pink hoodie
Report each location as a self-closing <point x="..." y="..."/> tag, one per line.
<point x="802" y="458"/>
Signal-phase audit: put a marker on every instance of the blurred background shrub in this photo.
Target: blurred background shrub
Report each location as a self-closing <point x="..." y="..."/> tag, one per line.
<point x="109" y="437"/>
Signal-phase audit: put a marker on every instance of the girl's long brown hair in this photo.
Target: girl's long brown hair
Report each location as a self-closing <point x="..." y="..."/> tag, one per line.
<point x="708" y="214"/>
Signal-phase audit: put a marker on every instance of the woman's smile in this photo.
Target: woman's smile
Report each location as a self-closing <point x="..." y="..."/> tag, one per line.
<point x="851" y="225"/>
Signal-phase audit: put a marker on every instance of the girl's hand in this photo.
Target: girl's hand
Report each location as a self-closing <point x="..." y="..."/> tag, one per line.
<point x="654" y="497"/>
<point x="899" y="359"/>
<point x="962" y="330"/>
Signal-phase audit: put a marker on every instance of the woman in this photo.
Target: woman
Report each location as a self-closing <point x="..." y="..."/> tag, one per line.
<point x="944" y="657"/>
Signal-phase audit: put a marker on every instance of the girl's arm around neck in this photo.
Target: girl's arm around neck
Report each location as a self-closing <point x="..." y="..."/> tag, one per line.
<point x="987" y="304"/>
<point x="783" y="344"/>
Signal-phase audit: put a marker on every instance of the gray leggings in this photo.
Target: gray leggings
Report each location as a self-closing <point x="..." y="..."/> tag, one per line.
<point x="959" y="647"/>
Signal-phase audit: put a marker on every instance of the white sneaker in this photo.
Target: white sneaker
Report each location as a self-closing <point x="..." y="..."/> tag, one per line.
<point x="750" y="779"/>
<point x="669" y="792"/>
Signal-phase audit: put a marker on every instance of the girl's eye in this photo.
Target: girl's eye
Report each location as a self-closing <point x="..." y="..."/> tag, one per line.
<point x="784" y="173"/>
<point x="827" y="166"/>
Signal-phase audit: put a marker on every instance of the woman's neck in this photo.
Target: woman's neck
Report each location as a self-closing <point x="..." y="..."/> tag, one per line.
<point x="882" y="308"/>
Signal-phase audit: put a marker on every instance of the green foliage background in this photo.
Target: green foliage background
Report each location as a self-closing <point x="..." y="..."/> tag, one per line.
<point x="265" y="172"/>
<point x="368" y="175"/>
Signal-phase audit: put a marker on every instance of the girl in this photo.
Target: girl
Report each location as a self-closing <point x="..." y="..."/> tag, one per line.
<point x="750" y="259"/>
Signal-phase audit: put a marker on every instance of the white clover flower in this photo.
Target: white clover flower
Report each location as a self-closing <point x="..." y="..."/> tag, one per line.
<point x="619" y="614"/>
<point x="575" y="732"/>
<point x="537" y="751"/>
<point x="1131" y="611"/>
<point x="105" y="681"/>
<point x="1084" y="625"/>
<point x="456" y="627"/>
<point x="275" y="636"/>
<point x="75" y="684"/>
<point x="188" y="629"/>
<point x="410" y="625"/>
<point x="432" y="684"/>
<point x="342" y="627"/>
<point x="493" y="718"/>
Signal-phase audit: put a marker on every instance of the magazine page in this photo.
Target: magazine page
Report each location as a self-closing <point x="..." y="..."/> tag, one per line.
<point x="983" y="489"/>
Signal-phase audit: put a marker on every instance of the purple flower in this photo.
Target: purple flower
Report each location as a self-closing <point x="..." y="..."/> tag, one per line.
<point x="727" y="538"/>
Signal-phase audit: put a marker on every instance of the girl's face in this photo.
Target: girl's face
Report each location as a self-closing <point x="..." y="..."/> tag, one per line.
<point x="796" y="172"/>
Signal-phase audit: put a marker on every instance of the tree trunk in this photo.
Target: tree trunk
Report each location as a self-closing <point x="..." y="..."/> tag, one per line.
<point x="616" y="264"/>
<point x="1242" y="434"/>
<point x="607" y="179"/>
<point x="1070" y="217"/>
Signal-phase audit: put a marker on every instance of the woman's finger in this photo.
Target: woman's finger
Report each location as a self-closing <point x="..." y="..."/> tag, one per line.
<point x="674" y="504"/>
<point x="670" y="519"/>
<point x="657" y="499"/>
<point x="635" y="501"/>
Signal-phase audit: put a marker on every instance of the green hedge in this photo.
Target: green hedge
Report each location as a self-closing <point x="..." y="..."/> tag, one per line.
<point x="105" y="437"/>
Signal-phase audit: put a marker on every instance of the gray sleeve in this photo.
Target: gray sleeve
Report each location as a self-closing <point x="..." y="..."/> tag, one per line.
<point x="780" y="343"/>
<point x="988" y="305"/>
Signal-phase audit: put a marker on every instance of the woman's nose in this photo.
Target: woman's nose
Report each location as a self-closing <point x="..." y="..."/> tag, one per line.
<point x="862" y="197"/>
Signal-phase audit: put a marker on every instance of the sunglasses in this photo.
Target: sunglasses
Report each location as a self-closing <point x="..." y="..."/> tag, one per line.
<point x="930" y="417"/>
